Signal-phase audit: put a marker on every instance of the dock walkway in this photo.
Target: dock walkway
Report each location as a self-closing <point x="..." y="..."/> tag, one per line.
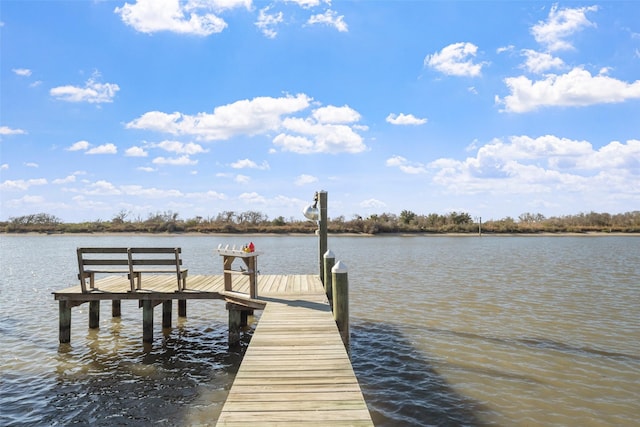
<point x="296" y="370"/>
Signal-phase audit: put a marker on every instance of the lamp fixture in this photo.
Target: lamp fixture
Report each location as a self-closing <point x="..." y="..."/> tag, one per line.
<point x="312" y="212"/>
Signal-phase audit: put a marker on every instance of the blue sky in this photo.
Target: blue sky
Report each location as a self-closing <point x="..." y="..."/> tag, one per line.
<point x="198" y="107"/>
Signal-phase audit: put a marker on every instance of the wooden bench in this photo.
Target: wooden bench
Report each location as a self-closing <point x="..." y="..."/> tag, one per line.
<point x="130" y="261"/>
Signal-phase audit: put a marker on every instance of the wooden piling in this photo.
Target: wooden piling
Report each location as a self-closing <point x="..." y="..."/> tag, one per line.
<point x="182" y="308"/>
<point x="94" y="314"/>
<point x="341" y="301"/>
<point x="116" y="308"/>
<point x="322" y="230"/>
<point x="147" y="320"/>
<point x="166" y="314"/>
<point x="65" y="321"/>
<point x="235" y="322"/>
<point x="329" y="262"/>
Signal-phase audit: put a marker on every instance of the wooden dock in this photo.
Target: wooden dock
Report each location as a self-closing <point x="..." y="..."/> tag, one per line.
<point x="296" y="370"/>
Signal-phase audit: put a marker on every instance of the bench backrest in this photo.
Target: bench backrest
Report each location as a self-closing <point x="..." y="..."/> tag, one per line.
<point x="126" y="260"/>
<point x="155" y="257"/>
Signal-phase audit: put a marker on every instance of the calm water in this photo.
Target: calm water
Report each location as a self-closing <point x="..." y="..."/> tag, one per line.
<point x="469" y="331"/>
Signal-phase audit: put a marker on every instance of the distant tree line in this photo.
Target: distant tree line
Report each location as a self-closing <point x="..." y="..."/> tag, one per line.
<point x="257" y="222"/>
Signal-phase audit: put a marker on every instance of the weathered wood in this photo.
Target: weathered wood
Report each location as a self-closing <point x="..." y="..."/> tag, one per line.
<point x="296" y="370"/>
<point x="94" y="314"/>
<point x="322" y="230"/>
<point x="147" y="321"/>
<point x="329" y="262"/>
<point x="166" y="314"/>
<point x="182" y="308"/>
<point x="341" y="301"/>
<point x="116" y="308"/>
<point x="235" y="324"/>
<point x="64" y="321"/>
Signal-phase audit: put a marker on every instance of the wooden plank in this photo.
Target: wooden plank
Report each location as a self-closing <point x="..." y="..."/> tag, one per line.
<point x="296" y="369"/>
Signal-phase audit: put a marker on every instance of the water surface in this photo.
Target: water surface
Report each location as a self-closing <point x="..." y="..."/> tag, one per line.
<point x="445" y="331"/>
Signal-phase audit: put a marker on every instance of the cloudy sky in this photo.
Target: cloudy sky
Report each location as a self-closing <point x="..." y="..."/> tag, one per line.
<point x="201" y="106"/>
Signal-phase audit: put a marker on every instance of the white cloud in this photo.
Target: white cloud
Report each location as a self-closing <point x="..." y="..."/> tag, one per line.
<point x="92" y="92"/>
<point x="103" y="149"/>
<point x="31" y="165"/>
<point x="245" y="117"/>
<point x="249" y="164"/>
<point x="404" y="119"/>
<point x="135" y="152"/>
<point x="267" y="22"/>
<point x="330" y="18"/>
<point x="176" y="161"/>
<point x="455" y="60"/>
<point x="305" y="180"/>
<point x="150" y="16"/>
<point x="329" y="129"/>
<point x="539" y="62"/>
<point x="503" y="49"/>
<point x="146" y="169"/>
<point x="24" y="72"/>
<point x="560" y="25"/>
<point x="79" y="146"/>
<point x="242" y="179"/>
<point x="181" y="148"/>
<point x="576" y="88"/>
<point x="6" y="130"/>
<point x="67" y="180"/>
<point x="253" y="198"/>
<point x="333" y="114"/>
<point x="307" y="4"/>
<point x="372" y="204"/>
<point x="412" y="168"/>
<point x="4" y="166"/>
<point x="21" y="184"/>
<point x="525" y="165"/>
<point x="318" y="138"/>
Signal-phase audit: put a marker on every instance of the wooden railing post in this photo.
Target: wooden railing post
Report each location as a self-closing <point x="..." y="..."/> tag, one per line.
<point x="322" y="229"/>
<point x="341" y="301"/>
<point x="329" y="262"/>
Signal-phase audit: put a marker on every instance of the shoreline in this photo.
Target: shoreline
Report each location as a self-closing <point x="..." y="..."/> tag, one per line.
<point x="396" y="234"/>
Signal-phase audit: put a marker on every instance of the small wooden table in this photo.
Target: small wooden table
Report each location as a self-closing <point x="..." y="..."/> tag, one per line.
<point x="250" y="260"/>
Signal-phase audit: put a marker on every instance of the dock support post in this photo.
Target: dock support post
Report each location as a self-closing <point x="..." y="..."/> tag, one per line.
<point x="147" y="320"/>
<point x="166" y="314"/>
<point x="116" y="308"/>
<point x="94" y="314"/>
<point x="65" y="322"/>
<point x="341" y="301"/>
<point x="182" y="308"/>
<point x="235" y="322"/>
<point x="329" y="262"/>
<point x="322" y="230"/>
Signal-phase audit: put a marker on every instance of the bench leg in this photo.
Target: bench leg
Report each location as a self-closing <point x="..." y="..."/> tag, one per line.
<point x="182" y="307"/>
<point x="65" y="322"/>
<point x="94" y="314"/>
<point x="166" y="314"/>
<point x="147" y="321"/>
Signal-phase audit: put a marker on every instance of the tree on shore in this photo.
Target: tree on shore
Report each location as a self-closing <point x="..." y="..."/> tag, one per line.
<point x="257" y="222"/>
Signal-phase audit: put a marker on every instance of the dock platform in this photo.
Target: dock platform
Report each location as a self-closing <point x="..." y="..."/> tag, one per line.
<point x="296" y="370"/>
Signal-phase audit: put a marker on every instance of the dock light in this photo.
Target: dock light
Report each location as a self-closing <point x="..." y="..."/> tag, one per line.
<point x="312" y="212"/>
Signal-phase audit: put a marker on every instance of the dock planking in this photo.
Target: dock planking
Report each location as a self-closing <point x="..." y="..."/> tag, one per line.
<point x="296" y="370"/>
